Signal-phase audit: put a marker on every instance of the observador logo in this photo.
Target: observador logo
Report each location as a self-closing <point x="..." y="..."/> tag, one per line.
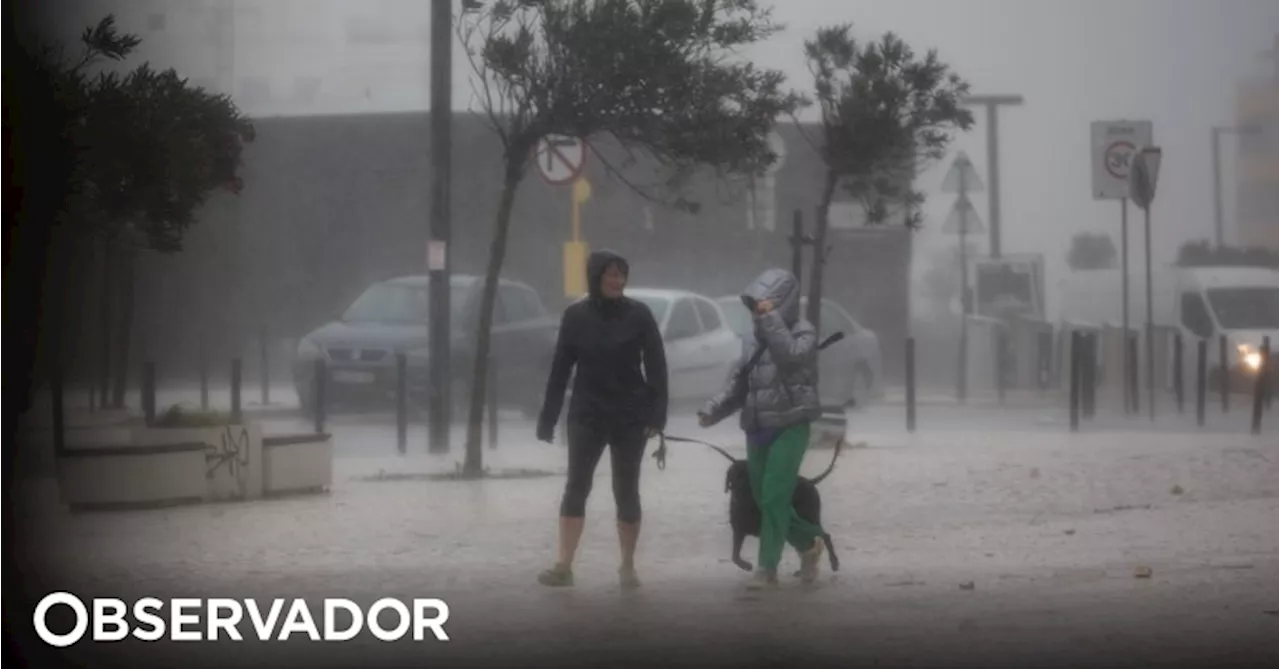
<point x="219" y="619"/>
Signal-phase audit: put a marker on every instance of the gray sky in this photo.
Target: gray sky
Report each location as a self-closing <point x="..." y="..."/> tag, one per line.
<point x="1175" y="62"/>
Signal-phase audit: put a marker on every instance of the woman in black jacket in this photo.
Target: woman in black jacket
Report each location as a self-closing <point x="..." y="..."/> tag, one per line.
<point x="619" y="400"/>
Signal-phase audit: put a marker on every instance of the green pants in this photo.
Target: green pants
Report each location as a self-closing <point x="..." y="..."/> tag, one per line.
<point x="773" y="473"/>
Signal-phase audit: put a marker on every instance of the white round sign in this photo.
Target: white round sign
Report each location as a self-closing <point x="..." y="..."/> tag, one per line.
<point x="560" y="158"/>
<point x="1118" y="158"/>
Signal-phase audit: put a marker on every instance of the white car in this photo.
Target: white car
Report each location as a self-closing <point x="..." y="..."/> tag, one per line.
<point x="700" y="347"/>
<point x="850" y="369"/>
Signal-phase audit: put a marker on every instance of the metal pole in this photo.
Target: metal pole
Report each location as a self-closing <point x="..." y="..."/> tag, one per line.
<point x="962" y="370"/>
<point x="1224" y="374"/>
<point x="264" y="363"/>
<point x="1073" y="399"/>
<point x="1129" y="405"/>
<point x="1131" y="342"/>
<point x="1215" y="159"/>
<point x="911" y="384"/>
<point x="993" y="167"/>
<point x="402" y="403"/>
<point x="1178" y="374"/>
<point x="1260" y="386"/>
<point x="235" y="389"/>
<point x="441" y="149"/>
<point x="1151" y="334"/>
<point x="1202" y="355"/>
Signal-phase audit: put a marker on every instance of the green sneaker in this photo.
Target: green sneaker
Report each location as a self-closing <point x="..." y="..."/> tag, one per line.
<point x="559" y="576"/>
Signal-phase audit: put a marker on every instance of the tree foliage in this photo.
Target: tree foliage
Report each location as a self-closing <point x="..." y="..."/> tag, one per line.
<point x="657" y="77"/>
<point x="1203" y="254"/>
<point x="1091" y="251"/>
<point x="885" y="114"/>
<point x="149" y="147"/>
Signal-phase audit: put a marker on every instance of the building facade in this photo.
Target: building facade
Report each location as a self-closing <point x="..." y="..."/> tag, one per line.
<point x="1257" y="181"/>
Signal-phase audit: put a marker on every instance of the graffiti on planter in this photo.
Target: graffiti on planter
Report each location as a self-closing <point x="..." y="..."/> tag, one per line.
<point x="232" y="453"/>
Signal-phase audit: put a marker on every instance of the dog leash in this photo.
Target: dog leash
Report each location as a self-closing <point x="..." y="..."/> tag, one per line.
<point x="660" y="455"/>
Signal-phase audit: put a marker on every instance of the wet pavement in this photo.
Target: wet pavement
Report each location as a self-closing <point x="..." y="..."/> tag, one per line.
<point x="957" y="547"/>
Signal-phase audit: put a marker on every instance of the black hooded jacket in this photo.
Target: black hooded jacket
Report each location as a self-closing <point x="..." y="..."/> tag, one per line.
<point x="621" y="378"/>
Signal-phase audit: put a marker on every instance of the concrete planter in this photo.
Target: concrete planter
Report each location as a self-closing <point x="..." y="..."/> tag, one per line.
<point x="233" y="467"/>
<point x="131" y="476"/>
<point x="295" y="464"/>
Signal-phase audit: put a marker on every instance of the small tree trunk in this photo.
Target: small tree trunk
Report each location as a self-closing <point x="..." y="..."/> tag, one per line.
<point x="127" y="287"/>
<point x="472" y="465"/>
<point x="104" y="312"/>
<point x="814" y="314"/>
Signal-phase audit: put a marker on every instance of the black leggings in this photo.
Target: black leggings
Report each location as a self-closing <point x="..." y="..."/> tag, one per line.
<point x="626" y="450"/>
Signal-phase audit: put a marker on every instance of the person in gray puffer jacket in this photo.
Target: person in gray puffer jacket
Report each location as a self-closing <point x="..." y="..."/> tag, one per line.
<point x="774" y="385"/>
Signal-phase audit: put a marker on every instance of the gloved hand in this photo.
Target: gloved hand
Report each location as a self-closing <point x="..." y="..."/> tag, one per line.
<point x="546" y="432"/>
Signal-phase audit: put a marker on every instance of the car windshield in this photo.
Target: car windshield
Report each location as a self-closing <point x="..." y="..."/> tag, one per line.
<point x="1245" y="308"/>
<point x="398" y="303"/>
<point x="658" y="305"/>
<point x="736" y="316"/>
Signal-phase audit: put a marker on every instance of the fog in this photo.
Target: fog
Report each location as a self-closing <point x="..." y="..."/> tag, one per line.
<point x="1015" y="482"/>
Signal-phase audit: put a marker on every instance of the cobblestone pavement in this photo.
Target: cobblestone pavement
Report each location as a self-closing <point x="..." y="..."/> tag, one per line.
<point x="959" y="548"/>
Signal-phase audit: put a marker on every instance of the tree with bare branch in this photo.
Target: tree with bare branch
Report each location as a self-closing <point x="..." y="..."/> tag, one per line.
<point x="655" y="77"/>
<point x="885" y="114"/>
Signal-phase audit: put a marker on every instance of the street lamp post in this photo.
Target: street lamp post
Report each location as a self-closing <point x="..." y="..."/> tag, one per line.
<point x="993" y="104"/>
<point x="1219" y="233"/>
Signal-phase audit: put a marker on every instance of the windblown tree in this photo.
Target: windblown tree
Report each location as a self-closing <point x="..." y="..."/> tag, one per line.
<point x="146" y="150"/>
<point x="1091" y="251"/>
<point x="654" y="76"/>
<point x="885" y="114"/>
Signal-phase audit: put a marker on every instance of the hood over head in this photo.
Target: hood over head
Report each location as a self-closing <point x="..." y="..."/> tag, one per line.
<point x="597" y="263"/>
<point x="778" y="286"/>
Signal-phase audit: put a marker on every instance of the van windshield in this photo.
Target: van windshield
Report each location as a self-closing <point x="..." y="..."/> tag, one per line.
<point x="1253" y="308"/>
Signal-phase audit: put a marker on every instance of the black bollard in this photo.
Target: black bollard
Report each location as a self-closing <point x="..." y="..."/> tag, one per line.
<point x="322" y="382"/>
<point x="1224" y="374"/>
<point x="59" y="415"/>
<point x="1202" y="355"/>
<point x="264" y="363"/>
<point x="235" y="389"/>
<point x="1132" y="373"/>
<point x="1260" y="385"/>
<point x="1073" y="400"/>
<point x="911" y="383"/>
<point x="1089" y="388"/>
<point x="491" y="398"/>
<point x="149" y="393"/>
<point x="1044" y="354"/>
<point x="1001" y="342"/>
<point x="204" y="377"/>
<point x="1267" y="372"/>
<point x="1177" y="370"/>
<point x="402" y="403"/>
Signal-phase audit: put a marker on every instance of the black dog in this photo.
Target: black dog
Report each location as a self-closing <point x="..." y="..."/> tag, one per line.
<point x="744" y="515"/>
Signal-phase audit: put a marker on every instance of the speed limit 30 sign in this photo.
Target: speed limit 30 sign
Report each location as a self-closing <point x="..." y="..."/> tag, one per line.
<point x="1115" y="143"/>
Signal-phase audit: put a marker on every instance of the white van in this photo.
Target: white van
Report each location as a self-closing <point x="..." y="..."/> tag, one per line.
<point x="1200" y="302"/>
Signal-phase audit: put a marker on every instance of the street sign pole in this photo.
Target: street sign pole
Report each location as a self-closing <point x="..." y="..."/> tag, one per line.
<point x="1143" y="176"/>
<point x="962" y="374"/>
<point x="1130" y="404"/>
<point x="439" y="392"/>
<point x="1115" y="144"/>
